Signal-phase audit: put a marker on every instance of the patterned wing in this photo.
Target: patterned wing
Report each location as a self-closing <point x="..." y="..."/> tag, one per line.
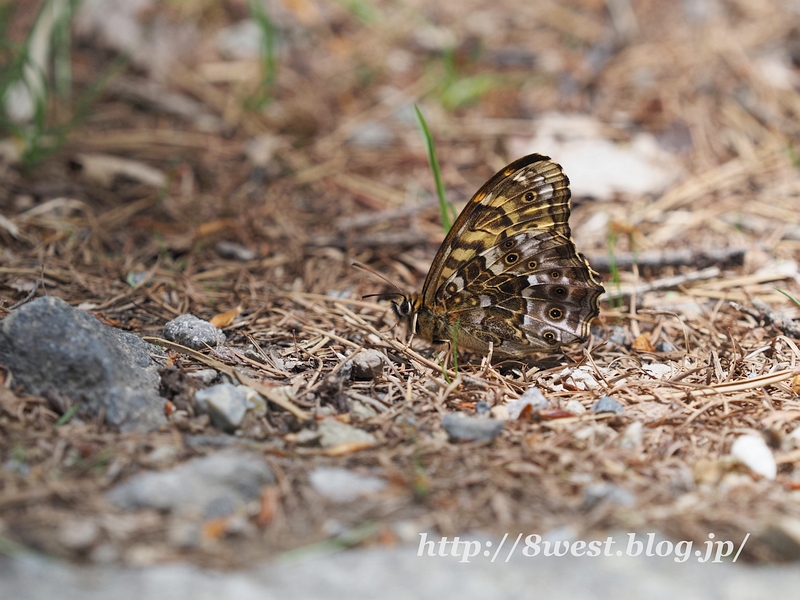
<point x="533" y="291"/>
<point x="532" y="193"/>
<point x="509" y="272"/>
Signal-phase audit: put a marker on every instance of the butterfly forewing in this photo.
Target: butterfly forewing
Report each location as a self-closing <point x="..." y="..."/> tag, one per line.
<point x="530" y="193"/>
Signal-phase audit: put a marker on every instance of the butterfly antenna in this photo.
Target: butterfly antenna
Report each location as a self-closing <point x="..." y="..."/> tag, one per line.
<point x="364" y="267"/>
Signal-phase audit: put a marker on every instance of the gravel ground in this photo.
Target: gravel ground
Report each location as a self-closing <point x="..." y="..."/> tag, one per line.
<point x="399" y="573"/>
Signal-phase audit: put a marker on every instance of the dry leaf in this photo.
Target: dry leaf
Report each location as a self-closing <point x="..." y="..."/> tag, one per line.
<point x="212" y="227"/>
<point x="643" y="343"/>
<point x="795" y="385"/>
<point x="224" y="319"/>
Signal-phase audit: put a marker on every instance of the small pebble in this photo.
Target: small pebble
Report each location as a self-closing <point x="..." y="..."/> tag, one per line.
<point x="532" y="397"/>
<point x="361" y="411"/>
<point x="307" y="437"/>
<point x="500" y="412"/>
<point x="342" y="485"/>
<point x="255" y="401"/>
<point x="482" y="407"/>
<point x="225" y="404"/>
<point x="333" y="432"/>
<point x="78" y="534"/>
<point x="665" y="346"/>
<point x="575" y="407"/>
<point x="631" y="438"/>
<point x="205" y="376"/>
<point x="431" y="385"/>
<point x="367" y="364"/>
<point x="462" y="428"/>
<point x="582" y="377"/>
<point x="607" y="404"/>
<point x="193" y="332"/>
<point x="208" y="486"/>
<point x="753" y="452"/>
<point x="617" y="337"/>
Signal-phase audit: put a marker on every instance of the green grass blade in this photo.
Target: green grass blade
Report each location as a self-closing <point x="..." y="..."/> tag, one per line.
<point x="788" y="295"/>
<point x="446" y="208"/>
<point x="267" y="53"/>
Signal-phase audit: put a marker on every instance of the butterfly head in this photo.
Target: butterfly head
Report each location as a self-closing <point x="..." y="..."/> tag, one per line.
<point x="408" y="308"/>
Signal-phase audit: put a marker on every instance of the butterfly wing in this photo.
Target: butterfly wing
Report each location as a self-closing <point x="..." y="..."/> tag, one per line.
<point x="500" y="209"/>
<point x="509" y="272"/>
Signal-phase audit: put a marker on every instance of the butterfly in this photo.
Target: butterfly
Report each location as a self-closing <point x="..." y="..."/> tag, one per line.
<point x="508" y="275"/>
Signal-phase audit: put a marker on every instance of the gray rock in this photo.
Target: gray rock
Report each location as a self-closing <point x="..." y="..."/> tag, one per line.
<point x="225" y="404"/>
<point x="664" y="346"/>
<point x="193" y="332"/>
<point x="462" y="428"/>
<point x="205" y="376"/>
<point x="617" y="337"/>
<point x="341" y="485"/>
<point x="367" y="364"/>
<point x="361" y="411"/>
<point x="307" y="437"/>
<point x="482" y="407"/>
<point x="607" y="404"/>
<point x="48" y="345"/>
<point x="211" y="486"/>
<point x="333" y="432"/>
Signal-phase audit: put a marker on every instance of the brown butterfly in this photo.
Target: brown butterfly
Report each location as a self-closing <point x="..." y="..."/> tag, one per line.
<point x="508" y="273"/>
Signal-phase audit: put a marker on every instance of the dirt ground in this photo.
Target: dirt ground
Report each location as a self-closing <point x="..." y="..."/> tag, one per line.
<point x="254" y="176"/>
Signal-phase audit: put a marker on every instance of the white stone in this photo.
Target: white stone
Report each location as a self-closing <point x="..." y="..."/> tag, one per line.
<point x="575" y="407"/>
<point x="598" y="167"/>
<point x="532" y="397"/>
<point x="657" y="370"/>
<point x="752" y="451"/>
<point x="632" y="436"/>
<point x="500" y="412"/>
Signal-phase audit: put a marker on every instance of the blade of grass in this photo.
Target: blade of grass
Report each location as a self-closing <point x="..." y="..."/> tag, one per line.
<point x="788" y="295"/>
<point x="446" y="208"/>
<point x="267" y="54"/>
<point x="67" y="415"/>
<point x="616" y="301"/>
